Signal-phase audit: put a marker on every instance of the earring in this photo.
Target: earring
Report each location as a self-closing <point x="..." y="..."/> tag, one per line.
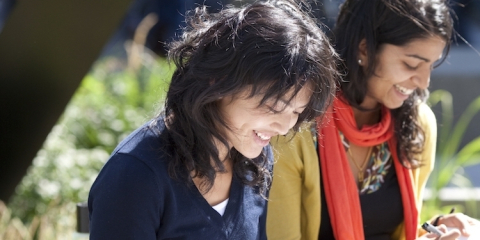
<point x="360" y="62"/>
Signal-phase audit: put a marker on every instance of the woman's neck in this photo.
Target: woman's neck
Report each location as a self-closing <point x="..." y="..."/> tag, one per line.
<point x="368" y="117"/>
<point x="369" y="114"/>
<point x="220" y="188"/>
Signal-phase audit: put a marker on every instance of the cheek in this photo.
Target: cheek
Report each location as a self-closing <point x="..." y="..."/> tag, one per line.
<point x="249" y="121"/>
<point x="391" y="71"/>
<point x="378" y="87"/>
<point x="398" y="74"/>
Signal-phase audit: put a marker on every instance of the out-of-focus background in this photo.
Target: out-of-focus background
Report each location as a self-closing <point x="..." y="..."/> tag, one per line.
<point x="77" y="77"/>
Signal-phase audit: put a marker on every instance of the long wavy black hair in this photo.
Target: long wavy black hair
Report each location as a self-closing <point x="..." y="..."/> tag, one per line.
<point x="396" y="22"/>
<point x="267" y="47"/>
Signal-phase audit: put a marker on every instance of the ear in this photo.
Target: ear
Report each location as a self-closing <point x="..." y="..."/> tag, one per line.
<point x="362" y="53"/>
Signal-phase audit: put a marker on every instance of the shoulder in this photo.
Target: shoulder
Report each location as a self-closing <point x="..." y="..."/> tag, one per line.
<point x="426" y="117"/>
<point x="125" y="199"/>
<point x="131" y="188"/>
<point x="143" y="141"/>
<point x="428" y="123"/>
<point x="123" y="174"/>
<point x="137" y="161"/>
<point x="146" y="145"/>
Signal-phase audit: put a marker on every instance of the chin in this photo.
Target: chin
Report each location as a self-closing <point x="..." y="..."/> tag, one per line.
<point x="251" y="154"/>
<point x="393" y="105"/>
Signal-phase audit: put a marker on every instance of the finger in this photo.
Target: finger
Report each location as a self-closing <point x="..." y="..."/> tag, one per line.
<point x="432" y="236"/>
<point x="457" y="220"/>
<point x="453" y="234"/>
<point x="442" y="228"/>
<point x="461" y="221"/>
<point x="473" y="221"/>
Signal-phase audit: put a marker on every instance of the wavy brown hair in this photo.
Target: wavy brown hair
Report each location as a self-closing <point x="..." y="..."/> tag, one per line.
<point x="396" y="22"/>
<point x="268" y="47"/>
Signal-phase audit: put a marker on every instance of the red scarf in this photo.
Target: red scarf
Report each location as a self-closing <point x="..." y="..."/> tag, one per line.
<point x="341" y="192"/>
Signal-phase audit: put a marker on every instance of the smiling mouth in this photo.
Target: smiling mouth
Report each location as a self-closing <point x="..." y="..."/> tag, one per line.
<point x="403" y="90"/>
<point x="262" y="136"/>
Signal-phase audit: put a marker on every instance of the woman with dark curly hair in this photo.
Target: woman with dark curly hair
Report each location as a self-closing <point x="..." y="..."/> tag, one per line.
<point x="202" y="168"/>
<point x="360" y="171"/>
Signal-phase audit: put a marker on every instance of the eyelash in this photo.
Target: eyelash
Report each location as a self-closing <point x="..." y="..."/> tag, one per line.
<point x="272" y="110"/>
<point x="410" y="67"/>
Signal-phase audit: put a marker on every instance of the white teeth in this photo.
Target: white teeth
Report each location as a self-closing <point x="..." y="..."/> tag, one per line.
<point x="261" y="136"/>
<point x="403" y="90"/>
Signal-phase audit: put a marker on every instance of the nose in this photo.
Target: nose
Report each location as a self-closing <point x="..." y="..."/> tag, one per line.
<point x="285" y="122"/>
<point x="422" y="79"/>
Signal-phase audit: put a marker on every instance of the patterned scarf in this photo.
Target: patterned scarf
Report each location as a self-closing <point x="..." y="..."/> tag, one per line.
<point x="341" y="192"/>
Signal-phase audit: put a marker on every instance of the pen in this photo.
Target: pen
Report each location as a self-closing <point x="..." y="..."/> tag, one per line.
<point x="452" y="210"/>
<point x="435" y="222"/>
<point x="431" y="229"/>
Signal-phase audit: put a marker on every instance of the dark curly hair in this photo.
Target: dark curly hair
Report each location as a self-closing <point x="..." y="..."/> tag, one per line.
<point x="396" y="22"/>
<point x="270" y="48"/>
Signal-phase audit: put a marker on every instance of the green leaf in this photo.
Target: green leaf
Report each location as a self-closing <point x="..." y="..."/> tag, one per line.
<point x="462" y="124"/>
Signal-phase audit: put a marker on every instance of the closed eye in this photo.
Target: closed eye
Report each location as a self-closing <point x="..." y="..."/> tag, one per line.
<point x="411" y="67"/>
<point x="273" y="110"/>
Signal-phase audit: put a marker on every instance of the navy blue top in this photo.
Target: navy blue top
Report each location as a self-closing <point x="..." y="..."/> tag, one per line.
<point x="133" y="197"/>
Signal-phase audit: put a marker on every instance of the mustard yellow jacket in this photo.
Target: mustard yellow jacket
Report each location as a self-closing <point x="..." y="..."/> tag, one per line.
<point x="294" y="203"/>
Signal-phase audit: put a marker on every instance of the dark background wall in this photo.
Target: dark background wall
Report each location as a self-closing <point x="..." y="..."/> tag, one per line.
<point x="46" y="47"/>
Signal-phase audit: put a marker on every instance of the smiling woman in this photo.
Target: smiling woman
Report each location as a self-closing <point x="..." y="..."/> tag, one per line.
<point x="251" y="124"/>
<point x="202" y="168"/>
<point x="359" y="172"/>
<point x="400" y="70"/>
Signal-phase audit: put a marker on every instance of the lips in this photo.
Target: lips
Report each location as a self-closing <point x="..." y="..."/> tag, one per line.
<point x="404" y="90"/>
<point x="263" y="136"/>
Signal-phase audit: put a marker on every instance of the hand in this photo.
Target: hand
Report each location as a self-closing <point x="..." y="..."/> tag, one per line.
<point x="450" y="235"/>
<point x="460" y="221"/>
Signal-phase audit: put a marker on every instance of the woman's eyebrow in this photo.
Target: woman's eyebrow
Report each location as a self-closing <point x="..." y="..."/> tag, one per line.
<point x="418" y="57"/>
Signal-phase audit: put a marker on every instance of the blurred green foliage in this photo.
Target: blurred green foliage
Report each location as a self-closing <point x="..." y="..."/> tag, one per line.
<point x="451" y="157"/>
<point x="112" y="101"/>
